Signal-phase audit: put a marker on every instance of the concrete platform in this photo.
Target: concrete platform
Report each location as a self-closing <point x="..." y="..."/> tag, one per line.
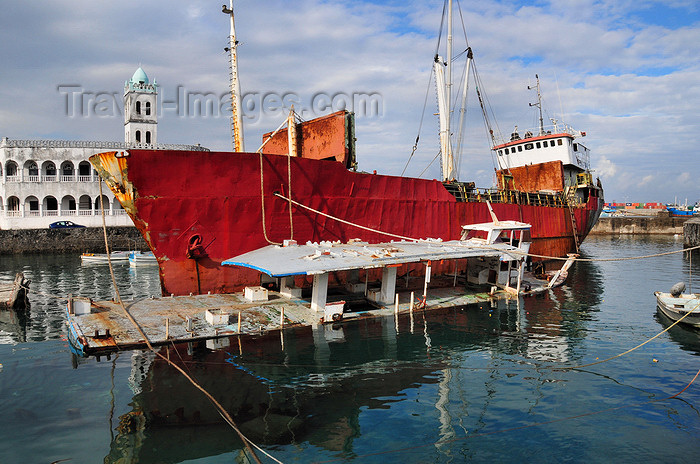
<point x="106" y="328"/>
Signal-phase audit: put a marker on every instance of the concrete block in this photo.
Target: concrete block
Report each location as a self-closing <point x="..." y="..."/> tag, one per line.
<point x="255" y="293"/>
<point x="291" y="292"/>
<point x="218" y="343"/>
<point x="356" y="287"/>
<point x="217" y="317"/>
<point x="82" y="306"/>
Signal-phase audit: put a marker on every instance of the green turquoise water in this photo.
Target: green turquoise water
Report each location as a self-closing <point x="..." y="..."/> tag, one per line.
<point x="480" y="384"/>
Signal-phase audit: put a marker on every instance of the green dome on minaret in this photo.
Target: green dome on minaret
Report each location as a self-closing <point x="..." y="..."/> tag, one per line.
<point x="139" y="81"/>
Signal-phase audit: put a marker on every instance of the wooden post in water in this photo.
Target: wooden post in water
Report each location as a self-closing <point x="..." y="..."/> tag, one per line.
<point x="14" y="295"/>
<point x="425" y="285"/>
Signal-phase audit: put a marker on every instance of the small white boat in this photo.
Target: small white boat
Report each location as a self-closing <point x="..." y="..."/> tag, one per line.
<point x="102" y="258"/>
<point x="139" y="258"/>
<point x="677" y="304"/>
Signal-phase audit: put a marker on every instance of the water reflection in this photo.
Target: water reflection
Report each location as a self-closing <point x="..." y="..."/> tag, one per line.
<point x="310" y="385"/>
<point x="451" y="385"/>
<point x="13" y="326"/>
<point x="53" y="278"/>
<point x="685" y="336"/>
<point x="311" y="391"/>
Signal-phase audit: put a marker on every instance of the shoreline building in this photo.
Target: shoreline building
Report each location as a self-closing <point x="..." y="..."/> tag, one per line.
<point x="44" y="181"/>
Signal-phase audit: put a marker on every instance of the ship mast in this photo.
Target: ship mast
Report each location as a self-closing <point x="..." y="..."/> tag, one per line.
<point x="444" y="89"/>
<point x="236" y="117"/>
<point x="539" y="103"/>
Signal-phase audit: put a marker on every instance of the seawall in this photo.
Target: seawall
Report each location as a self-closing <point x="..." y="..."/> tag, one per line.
<point x="90" y="239"/>
<point x="639" y="225"/>
<point x="691" y="233"/>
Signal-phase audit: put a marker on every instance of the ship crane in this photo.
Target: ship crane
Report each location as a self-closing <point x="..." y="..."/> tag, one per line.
<point x="236" y="116"/>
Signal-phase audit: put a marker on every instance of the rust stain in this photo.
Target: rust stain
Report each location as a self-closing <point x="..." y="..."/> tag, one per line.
<point x="532" y="178"/>
<point x="327" y="137"/>
<point x="113" y="169"/>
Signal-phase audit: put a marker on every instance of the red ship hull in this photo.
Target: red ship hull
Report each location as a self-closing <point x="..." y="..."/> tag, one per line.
<point x="197" y="209"/>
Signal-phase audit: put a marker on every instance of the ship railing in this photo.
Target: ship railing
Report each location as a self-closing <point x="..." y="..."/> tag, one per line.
<point x="465" y="191"/>
<point x="557" y="128"/>
<point x="517" y="197"/>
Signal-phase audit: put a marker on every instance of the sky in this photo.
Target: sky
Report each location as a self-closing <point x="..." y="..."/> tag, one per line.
<point x="627" y="72"/>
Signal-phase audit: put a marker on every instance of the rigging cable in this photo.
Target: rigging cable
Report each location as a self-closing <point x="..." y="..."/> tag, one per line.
<point x="420" y="125"/>
<point x="427" y="92"/>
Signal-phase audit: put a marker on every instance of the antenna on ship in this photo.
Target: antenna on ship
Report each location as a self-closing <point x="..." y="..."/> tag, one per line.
<point x="539" y="103"/>
<point x="236" y="116"/>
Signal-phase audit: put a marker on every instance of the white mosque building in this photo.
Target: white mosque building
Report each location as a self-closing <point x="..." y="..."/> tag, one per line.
<point x="45" y="181"/>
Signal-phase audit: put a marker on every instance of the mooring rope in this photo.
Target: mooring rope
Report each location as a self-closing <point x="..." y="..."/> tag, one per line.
<point x="516" y="252"/>
<point x="631" y="349"/>
<point x="221" y="410"/>
<point x="359" y="226"/>
<point x="262" y="187"/>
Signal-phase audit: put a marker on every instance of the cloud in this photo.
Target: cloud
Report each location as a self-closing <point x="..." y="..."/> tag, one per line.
<point x="605" y="168"/>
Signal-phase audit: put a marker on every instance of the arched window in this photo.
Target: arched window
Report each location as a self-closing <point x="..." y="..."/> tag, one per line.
<point x="32" y="171"/>
<point x="31" y="206"/>
<point x="67" y="171"/>
<point x="138" y="107"/>
<point x="50" y="206"/>
<point x="105" y="203"/>
<point x="68" y="206"/>
<point x="148" y="136"/>
<point x="13" y="205"/>
<point x="11" y="169"/>
<point x="84" y="206"/>
<point x="50" y="168"/>
<point x="84" y="168"/>
<point x="148" y="108"/>
<point x="138" y="136"/>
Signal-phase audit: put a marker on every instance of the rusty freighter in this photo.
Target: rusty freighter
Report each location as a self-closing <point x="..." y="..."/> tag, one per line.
<point x="196" y="209"/>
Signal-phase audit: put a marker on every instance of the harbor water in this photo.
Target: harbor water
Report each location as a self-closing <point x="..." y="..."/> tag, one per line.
<point x="508" y="382"/>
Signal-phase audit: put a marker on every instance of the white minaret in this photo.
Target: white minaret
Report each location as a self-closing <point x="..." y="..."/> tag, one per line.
<point x="140" y="111"/>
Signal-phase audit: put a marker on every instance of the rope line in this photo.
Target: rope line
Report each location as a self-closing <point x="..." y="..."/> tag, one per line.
<point x="369" y="229"/>
<point x="262" y="202"/>
<point x="221" y="410"/>
<point x="631" y="349"/>
<point x="289" y="184"/>
<point x="517" y="252"/>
